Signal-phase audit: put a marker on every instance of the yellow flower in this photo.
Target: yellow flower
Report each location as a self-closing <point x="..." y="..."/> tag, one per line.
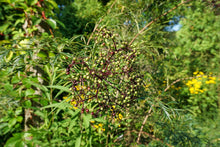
<point x="79" y="87"/>
<point x="207" y="82"/>
<point x="120" y="116"/>
<point x="201" y="73"/>
<point x="73" y="103"/>
<point x="195" y="73"/>
<point x="201" y="91"/>
<point x="96" y="126"/>
<point x="92" y="121"/>
<point x="113" y="107"/>
<point x="212" y="78"/>
<point x="146" y="87"/>
<point x="159" y="92"/>
<point x="212" y="81"/>
<point x="66" y="98"/>
<point x="100" y="125"/>
<point x="205" y="76"/>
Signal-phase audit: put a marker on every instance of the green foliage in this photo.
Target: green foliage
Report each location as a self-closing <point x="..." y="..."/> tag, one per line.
<point x="79" y="17"/>
<point x="99" y="90"/>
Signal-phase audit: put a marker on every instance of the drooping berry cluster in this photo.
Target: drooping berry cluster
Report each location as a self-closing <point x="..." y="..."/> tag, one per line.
<point x="107" y="76"/>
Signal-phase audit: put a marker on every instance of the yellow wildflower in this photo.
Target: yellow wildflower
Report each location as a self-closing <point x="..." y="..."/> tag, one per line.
<point x="100" y="125"/>
<point x="205" y="76"/>
<point x="212" y="78"/>
<point x="92" y="121"/>
<point x="159" y="92"/>
<point x="201" y="73"/>
<point x="120" y="116"/>
<point x="96" y="126"/>
<point x="195" y="73"/>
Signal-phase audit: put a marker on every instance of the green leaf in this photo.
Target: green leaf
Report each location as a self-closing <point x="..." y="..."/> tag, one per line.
<point x="43" y="102"/>
<point x="51" y="54"/>
<point x="53" y="3"/>
<point x="37" y="21"/>
<point x="19" y="21"/>
<point x="32" y="2"/>
<point x="56" y="105"/>
<point x="4" y="26"/>
<point x="12" y="122"/>
<point x="15" y="79"/>
<point x="18" y="111"/>
<point x="19" y="119"/>
<point x="42" y="87"/>
<point x="4" y="1"/>
<point x="42" y="54"/>
<point x="29" y="92"/>
<point x="62" y="88"/>
<point x="51" y="23"/>
<point x="20" y="143"/>
<point x="27" y="103"/>
<point x="2" y="125"/>
<point x="86" y="120"/>
<point x="102" y="120"/>
<point x="26" y="82"/>
<point x="60" y="23"/>
<point x="11" y="142"/>
<point x="78" y="141"/>
<point x="24" y="5"/>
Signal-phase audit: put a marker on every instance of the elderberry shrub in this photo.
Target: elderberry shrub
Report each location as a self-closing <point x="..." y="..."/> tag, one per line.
<point x="107" y="77"/>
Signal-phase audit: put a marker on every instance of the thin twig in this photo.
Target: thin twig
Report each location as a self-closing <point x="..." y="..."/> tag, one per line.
<point x="145" y="119"/>
<point x="96" y="26"/>
<point x="153" y="137"/>
<point x="164" y="14"/>
<point x="178" y="80"/>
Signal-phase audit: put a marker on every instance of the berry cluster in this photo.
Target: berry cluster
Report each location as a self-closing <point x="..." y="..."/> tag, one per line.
<point x="108" y="76"/>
